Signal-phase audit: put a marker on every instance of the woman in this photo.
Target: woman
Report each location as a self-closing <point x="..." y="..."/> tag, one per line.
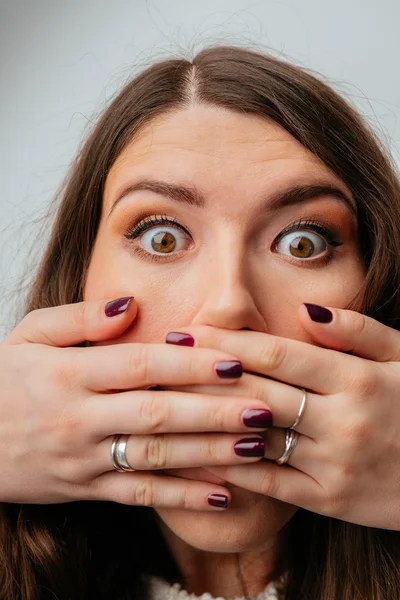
<point x="232" y="193"/>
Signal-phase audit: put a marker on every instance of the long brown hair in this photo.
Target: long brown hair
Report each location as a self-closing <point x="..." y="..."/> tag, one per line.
<point x="84" y="550"/>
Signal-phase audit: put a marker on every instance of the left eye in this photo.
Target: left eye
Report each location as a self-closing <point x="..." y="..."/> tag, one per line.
<point x="301" y="244"/>
<point x="164" y="240"/>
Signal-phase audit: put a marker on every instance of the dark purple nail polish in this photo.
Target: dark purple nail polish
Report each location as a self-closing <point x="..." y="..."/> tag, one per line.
<point x="218" y="500"/>
<point x="118" y="306"/>
<point x="250" y="447"/>
<point x="257" y="417"/>
<point x="229" y="369"/>
<point x="181" y="339"/>
<point x="319" y="314"/>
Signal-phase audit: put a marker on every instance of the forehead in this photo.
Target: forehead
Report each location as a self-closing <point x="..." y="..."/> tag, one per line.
<point x="229" y="156"/>
<point x="202" y="136"/>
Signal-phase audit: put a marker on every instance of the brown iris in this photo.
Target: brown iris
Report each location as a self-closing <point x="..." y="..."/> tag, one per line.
<point x="302" y="247"/>
<point x="163" y="242"/>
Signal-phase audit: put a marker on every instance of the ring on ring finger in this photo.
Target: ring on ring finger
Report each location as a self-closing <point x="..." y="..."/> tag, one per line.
<point x="291" y="438"/>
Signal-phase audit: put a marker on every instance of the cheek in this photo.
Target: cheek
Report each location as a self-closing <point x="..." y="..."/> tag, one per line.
<point x="103" y="277"/>
<point x="166" y="298"/>
<point x="288" y="287"/>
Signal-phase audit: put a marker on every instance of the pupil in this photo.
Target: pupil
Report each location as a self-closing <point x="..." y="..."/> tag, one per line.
<point x="302" y="247"/>
<point x="163" y="242"/>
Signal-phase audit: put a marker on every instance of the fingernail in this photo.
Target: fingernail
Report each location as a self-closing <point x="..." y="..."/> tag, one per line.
<point x="250" y="447"/>
<point x="218" y="500"/>
<point x="118" y="306"/>
<point x="257" y="417"/>
<point x="229" y="369"/>
<point x="181" y="339"/>
<point x="319" y="314"/>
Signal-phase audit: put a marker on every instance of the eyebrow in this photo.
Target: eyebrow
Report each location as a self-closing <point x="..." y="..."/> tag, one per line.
<point x="192" y="196"/>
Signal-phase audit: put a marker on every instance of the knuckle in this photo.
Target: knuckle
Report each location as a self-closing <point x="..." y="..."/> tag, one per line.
<point x="68" y="433"/>
<point x="29" y="323"/>
<point x="27" y="328"/>
<point x="357" y="324"/>
<point x="66" y="448"/>
<point x="272" y="355"/>
<point x="156" y="452"/>
<point x="333" y="505"/>
<point x="345" y="473"/>
<point x="144" y="493"/>
<point x="31" y="318"/>
<point x="209" y="450"/>
<point x="139" y="363"/>
<point x="269" y="484"/>
<point x="79" y="314"/>
<point x="153" y="412"/>
<point x="356" y="432"/>
<point x="73" y="471"/>
<point x="366" y="383"/>
<point x="69" y="422"/>
<point x="335" y="502"/>
<point x="61" y="378"/>
<point x="192" y="368"/>
<point x="66" y="369"/>
<point x="218" y="416"/>
<point x="186" y="500"/>
<point x="259" y="390"/>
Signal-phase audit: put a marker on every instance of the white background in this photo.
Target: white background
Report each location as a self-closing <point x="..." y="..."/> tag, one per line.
<point x="61" y="61"/>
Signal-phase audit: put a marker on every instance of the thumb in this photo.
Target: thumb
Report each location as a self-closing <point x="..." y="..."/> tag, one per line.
<point x="72" y="324"/>
<point x="350" y="331"/>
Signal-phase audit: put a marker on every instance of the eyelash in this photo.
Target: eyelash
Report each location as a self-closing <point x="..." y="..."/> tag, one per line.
<point x="307" y="224"/>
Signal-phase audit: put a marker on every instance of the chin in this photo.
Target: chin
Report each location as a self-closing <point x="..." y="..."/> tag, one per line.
<point x="250" y="522"/>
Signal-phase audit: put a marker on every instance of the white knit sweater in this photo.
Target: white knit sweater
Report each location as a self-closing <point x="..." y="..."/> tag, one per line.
<point x="159" y="589"/>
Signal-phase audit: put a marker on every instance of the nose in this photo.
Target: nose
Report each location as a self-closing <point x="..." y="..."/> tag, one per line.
<point x="229" y="295"/>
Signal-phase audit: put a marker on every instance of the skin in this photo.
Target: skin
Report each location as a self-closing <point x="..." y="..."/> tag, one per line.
<point x="228" y="275"/>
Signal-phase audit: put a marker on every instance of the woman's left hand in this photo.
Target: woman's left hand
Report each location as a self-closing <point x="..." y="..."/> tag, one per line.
<point x="347" y="460"/>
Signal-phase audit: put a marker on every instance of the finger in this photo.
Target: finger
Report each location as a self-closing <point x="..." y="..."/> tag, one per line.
<point x="352" y="332"/>
<point x="274" y="443"/>
<point x="179" y="451"/>
<point x="134" y="365"/>
<point x="304" y="455"/>
<point x="298" y="363"/>
<point x="150" y="412"/>
<point x="158" y="491"/>
<point x="284" y="401"/>
<point x="72" y="324"/>
<point x="282" y="482"/>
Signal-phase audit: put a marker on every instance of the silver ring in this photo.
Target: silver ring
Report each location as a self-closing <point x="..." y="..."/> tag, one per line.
<point x="301" y="409"/>
<point x="291" y="441"/>
<point x="118" y="453"/>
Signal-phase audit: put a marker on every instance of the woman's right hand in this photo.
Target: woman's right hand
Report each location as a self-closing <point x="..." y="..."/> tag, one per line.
<point x="61" y="405"/>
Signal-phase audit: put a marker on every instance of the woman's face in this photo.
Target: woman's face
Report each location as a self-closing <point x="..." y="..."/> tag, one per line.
<point x="248" y="242"/>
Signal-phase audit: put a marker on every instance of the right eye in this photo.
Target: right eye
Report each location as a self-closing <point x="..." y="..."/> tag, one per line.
<point x="160" y="235"/>
<point x="163" y="241"/>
